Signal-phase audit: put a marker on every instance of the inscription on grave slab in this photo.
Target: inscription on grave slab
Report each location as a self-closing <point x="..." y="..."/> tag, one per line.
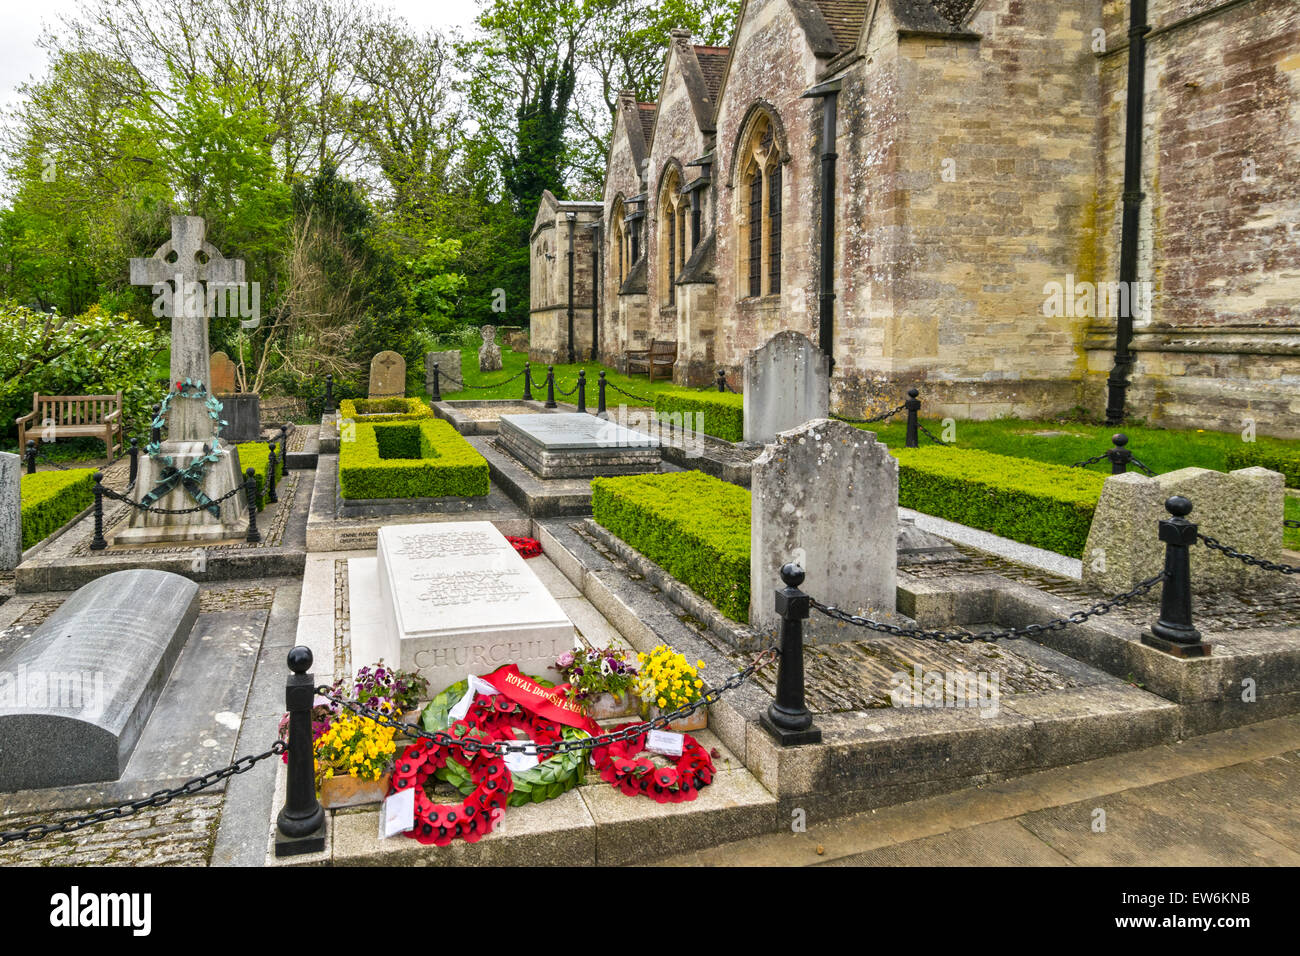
<point x="456" y="597"/>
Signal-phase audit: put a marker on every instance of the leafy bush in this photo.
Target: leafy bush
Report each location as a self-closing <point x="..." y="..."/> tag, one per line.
<point x="1250" y="456"/>
<point x="1049" y="506"/>
<point x="724" y="413"/>
<point x="50" y="499"/>
<point x="383" y="410"/>
<point x="91" y="354"/>
<point x="693" y="525"/>
<point x="426" y="458"/>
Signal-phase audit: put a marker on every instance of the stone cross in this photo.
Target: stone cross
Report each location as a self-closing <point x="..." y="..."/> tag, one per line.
<point x="175" y="272"/>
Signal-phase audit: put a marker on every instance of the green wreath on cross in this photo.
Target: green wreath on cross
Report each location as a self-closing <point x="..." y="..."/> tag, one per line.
<point x="550" y="778"/>
<point x="191" y="478"/>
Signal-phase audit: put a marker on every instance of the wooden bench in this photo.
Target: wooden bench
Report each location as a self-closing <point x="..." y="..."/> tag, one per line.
<point x="74" y="416"/>
<point x="660" y="355"/>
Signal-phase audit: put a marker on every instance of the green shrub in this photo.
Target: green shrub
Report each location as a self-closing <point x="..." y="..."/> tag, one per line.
<point x="724" y="413"/>
<point x="255" y="455"/>
<point x="426" y="458"/>
<point x="693" y="525"/>
<point x="383" y="409"/>
<point x="50" y="499"/>
<point x="1049" y="506"/>
<point x="1250" y="456"/>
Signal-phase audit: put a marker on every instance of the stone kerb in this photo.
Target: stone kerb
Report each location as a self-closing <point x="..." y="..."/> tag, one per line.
<point x="825" y="494"/>
<point x="1242" y="509"/>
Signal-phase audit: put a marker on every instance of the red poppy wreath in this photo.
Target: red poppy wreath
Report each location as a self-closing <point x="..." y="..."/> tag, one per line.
<point x="621" y="764"/>
<point x="470" y="820"/>
<point x="527" y="547"/>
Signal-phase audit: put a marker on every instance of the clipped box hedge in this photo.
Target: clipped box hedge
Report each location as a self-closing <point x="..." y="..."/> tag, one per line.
<point x="257" y="456"/>
<point x="695" y="526"/>
<point x="50" y="499"/>
<point x="724" y="413"/>
<point x="1250" y="456"/>
<point x="376" y="410"/>
<point x="1048" y="506"/>
<point x="426" y="458"/>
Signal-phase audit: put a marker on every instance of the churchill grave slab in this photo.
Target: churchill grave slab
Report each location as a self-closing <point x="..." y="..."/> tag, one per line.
<point x="75" y="696"/>
<point x="577" y="445"/>
<point x="456" y="598"/>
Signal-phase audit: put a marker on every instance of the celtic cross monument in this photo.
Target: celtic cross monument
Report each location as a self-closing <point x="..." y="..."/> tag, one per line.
<point x="193" y="468"/>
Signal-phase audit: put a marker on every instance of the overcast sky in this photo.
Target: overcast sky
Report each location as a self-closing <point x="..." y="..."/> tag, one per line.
<point x="20" y="26"/>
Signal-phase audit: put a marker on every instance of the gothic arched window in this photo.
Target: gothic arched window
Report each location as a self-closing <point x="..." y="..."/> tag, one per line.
<point x="760" y="210"/>
<point x="673" y="249"/>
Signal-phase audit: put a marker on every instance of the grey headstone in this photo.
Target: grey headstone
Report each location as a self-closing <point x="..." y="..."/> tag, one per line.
<point x="76" y="695"/>
<point x="387" y="375"/>
<point x="787" y="383"/>
<point x="489" y="355"/>
<point x="448" y="363"/>
<point x="11" y="514"/>
<point x="243" y="415"/>
<point x="825" y="495"/>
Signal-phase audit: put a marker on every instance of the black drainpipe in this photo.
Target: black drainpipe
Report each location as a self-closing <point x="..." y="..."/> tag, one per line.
<point x="828" y="93"/>
<point x="1117" y="386"/>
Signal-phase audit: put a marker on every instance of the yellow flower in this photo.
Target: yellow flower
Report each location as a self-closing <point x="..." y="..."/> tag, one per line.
<point x="662" y="702"/>
<point x="700" y="664"/>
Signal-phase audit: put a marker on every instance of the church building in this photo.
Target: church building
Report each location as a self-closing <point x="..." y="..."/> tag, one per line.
<point x="932" y="191"/>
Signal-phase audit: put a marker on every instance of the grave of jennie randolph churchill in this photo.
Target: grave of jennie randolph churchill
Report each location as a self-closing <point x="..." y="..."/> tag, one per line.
<point x="194" y="466"/>
<point x="576" y="444"/>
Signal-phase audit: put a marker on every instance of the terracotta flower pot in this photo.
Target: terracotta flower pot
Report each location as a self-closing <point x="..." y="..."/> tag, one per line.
<point x="349" y="791"/>
<point x="696" y="721"/>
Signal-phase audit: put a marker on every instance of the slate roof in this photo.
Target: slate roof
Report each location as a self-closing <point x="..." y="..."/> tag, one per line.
<point x="647" y="111"/>
<point x="846" y="19"/>
<point x="713" y="64"/>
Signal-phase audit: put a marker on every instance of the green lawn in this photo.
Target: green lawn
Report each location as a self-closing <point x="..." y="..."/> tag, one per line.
<point x="1064" y="443"/>
<point x="566" y="377"/>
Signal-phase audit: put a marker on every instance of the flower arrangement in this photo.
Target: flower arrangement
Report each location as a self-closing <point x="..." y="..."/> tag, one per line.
<point x="389" y="691"/>
<point x="604" y="670"/>
<point x="667" y="679"/>
<point x="356" y="747"/>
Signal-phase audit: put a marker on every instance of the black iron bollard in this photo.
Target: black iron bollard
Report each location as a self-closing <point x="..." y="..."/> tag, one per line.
<point x="1173" y="631"/>
<point x="300" y="825"/>
<point x="30" y="455"/>
<point x="284" y="439"/>
<point x="271" y="463"/>
<point x="528" y="382"/>
<point x="722" y="380"/>
<point x="155" y="431"/>
<point x="1119" y="455"/>
<point x="913" y="405"/>
<point x="97" y="543"/>
<point x="329" y="395"/>
<point x="437" y="385"/>
<point x="550" y="387"/>
<point x="134" y="453"/>
<point x="582" y="389"/>
<point x="787" y="718"/>
<point x="250" y="492"/>
<point x="601" y="412"/>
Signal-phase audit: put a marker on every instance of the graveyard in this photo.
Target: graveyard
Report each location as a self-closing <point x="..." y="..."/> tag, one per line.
<point x="422" y="446"/>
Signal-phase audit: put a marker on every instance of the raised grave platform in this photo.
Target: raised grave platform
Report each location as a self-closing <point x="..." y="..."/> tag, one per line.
<point x="483" y="416"/>
<point x="577" y="445"/>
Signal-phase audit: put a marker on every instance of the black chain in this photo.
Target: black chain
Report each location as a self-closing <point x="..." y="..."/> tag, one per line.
<point x="158" y="798"/>
<point x="926" y="432"/>
<point x="500" y="748"/>
<point x="1143" y="468"/>
<point x="110" y="493"/>
<point x="43" y="456"/>
<point x="882" y="417"/>
<point x="493" y="385"/>
<point x="639" y="398"/>
<point x="1250" y="559"/>
<point x="1288" y="523"/>
<point x="963" y="636"/>
<point x="569" y="392"/>
<point x="1089" y="461"/>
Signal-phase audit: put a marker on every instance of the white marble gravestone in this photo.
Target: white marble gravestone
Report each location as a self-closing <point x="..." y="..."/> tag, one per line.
<point x="456" y="598"/>
<point x="182" y="285"/>
<point x="575" y="444"/>
<point x="11" y="515"/>
<point x="787" y="383"/>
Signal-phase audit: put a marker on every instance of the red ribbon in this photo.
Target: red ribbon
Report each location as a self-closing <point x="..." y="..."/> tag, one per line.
<point x="549" y="703"/>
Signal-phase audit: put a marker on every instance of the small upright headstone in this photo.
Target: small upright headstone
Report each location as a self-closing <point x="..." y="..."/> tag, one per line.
<point x="75" y="696"/>
<point x="825" y="495"/>
<point x="787" y="383"/>
<point x="489" y="356"/>
<point x="222" y="381"/>
<point x="448" y="363"/>
<point x="387" y="376"/>
<point x="11" y="521"/>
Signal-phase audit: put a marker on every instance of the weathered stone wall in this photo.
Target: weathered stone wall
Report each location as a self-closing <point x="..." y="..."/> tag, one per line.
<point x="967" y="168"/>
<point x="1220" y="242"/>
<point x="622" y="182"/>
<point x="772" y="65"/>
<point x="549" y="332"/>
